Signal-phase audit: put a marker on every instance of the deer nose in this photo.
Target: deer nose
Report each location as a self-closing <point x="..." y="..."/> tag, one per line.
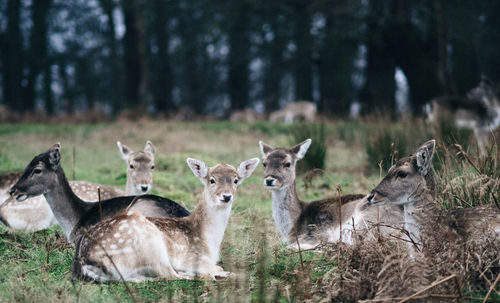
<point x="144" y="188"/>
<point x="269" y="182"/>
<point x="227" y="198"/>
<point x="370" y="197"/>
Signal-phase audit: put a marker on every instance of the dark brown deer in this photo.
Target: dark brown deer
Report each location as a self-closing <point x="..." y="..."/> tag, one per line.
<point x="35" y="214"/>
<point x="44" y="175"/>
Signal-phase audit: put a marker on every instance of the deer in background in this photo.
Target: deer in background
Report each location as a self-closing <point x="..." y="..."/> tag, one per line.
<point x="35" y="214"/>
<point x="410" y="183"/>
<point x="480" y="111"/>
<point x="141" y="248"/>
<point x="311" y="224"/>
<point x="140" y="167"/>
<point x="44" y="175"/>
<point x="295" y="111"/>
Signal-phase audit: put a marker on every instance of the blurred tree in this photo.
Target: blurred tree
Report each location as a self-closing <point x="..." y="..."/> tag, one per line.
<point x="336" y="55"/>
<point x="302" y="65"/>
<point x="38" y="53"/>
<point x="276" y="36"/>
<point x="161" y="76"/>
<point x="237" y="14"/>
<point x="109" y="7"/>
<point x="136" y="74"/>
<point x="13" y="58"/>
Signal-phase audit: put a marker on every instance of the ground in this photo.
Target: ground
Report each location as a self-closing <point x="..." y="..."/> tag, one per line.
<point x="36" y="266"/>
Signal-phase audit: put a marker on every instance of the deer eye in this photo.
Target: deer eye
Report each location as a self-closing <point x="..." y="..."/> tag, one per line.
<point x="288" y="164"/>
<point x="212" y="181"/>
<point x="131" y="166"/>
<point x="235" y="181"/>
<point x="37" y="171"/>
<point x="402" y="174"/>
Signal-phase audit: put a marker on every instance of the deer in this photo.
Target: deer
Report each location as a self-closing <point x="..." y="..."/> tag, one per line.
<point x="45" y="176"/>
<point x="410" y="183"/>
<point x="308" y="225"/>
<point x="479" y="111"/>
<point x="133" y="247"/>
<point x="295" y="111"/>
<point x="35" y="214"/>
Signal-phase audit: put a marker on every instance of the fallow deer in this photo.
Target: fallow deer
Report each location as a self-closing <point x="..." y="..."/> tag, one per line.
<point x="140" y="248"/>
<point x="410" y="183"/>
<point x="44" y="175"/>
<point x="311" y="224"/>
<point x="35" y="214"/>
<point x="140" y="166"/>
<point x="480" y="111"/>
<point x="295" y="111"/>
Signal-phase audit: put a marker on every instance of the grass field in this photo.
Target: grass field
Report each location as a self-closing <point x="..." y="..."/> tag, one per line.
<point x="36" y="267"/>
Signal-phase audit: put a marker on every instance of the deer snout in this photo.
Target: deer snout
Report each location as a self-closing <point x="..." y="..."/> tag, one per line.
<point x="18" y="195"/>
<point x="376" y="198"/>
<point x="269" y="181"/>
<point x="144" y="188"/>
<point x="227" y="197"/>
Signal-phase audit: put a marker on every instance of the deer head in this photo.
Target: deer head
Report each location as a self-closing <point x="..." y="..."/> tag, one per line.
<point x="407" y="179"/>
<point x="39" y="176"/>
<point x="140" y="166"/>
<point x="221" y="180"/>
<point x="279" y="164"/>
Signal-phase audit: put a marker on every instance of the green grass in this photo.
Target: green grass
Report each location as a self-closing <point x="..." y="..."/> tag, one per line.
<point x="264" y="269"/>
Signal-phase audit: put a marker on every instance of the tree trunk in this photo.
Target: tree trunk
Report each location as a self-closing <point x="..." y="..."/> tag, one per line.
<point x="303" y="53"/>
<point x="116" y="103"/>
<point x="12" y="58"/>
<point x="37" y="57"/>
<point x="135" y="56"/>
<point x="163" y="82"/>
<point x="239" y="45"/>
<point x="336" y="64"/>
<point x="275" y="61"/>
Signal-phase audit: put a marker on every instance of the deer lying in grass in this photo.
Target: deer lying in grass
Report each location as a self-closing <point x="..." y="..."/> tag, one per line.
<point x="44" y="175"/>
<point x="35" y="214"/>
<point x="141" y="248"/>
<point x="312" y="223"/>
<point x="410" y="183"/>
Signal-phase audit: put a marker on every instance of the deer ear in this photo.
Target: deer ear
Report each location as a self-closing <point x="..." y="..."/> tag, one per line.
<point x="424" y="156"/>
<point x="55" y="156"/>
<point x="199" y="169"/>
<point x="125" y="151"/>
<point x="300" y="149"/>
<point x="265" y="149"/>
<point x="149" y="148"/>
<point x="246" y="168"/>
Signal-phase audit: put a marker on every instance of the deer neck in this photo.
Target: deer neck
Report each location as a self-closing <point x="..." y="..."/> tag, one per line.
<point x="129" y="188"/>
<point x="211" y="223"/>
<point x="68" y="209"/>
<point x="286" y="210"/>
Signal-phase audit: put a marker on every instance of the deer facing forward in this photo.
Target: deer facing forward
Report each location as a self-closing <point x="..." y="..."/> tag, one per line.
<point x="141" y="248"/>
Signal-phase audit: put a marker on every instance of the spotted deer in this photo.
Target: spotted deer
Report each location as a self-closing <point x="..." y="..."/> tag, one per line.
<point x="35" y="214"/>
<point x="410" y="183"/>
<point x="141" y="248"/>
<point x="311" y="224"/>
<point x="44" y="175"/>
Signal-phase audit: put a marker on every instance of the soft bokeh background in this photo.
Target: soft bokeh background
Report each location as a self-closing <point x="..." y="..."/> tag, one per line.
<point x="59" y="57"/>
